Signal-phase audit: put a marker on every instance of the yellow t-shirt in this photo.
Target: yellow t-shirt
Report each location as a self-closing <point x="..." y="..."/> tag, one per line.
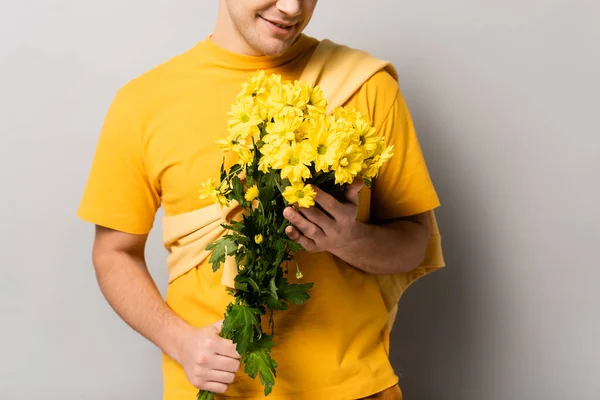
<point x="157" y="146"/>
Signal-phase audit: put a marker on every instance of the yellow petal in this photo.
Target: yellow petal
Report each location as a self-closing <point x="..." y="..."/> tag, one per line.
<point x="251" y="193"/>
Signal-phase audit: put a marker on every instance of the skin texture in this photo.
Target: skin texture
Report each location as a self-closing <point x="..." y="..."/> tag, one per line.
<point x="242" y="27"/>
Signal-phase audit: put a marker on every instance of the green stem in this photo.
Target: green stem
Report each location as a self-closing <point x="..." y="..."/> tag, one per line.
<point x="279" y="187"/>
<point x="232" y="171"/>
<point x="205" y="395"/>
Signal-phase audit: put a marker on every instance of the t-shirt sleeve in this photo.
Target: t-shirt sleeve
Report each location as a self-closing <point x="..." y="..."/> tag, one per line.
<point x="403" y="186"/>
<point x="119" y="193"/>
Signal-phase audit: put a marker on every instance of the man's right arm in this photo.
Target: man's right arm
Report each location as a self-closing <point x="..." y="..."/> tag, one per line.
<point x="210" y="362"/>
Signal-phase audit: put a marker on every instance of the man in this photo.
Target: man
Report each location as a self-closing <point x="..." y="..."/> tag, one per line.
<point x="157" y="145"/>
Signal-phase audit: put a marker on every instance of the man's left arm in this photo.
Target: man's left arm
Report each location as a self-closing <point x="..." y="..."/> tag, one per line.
<point x="383" y="248"/>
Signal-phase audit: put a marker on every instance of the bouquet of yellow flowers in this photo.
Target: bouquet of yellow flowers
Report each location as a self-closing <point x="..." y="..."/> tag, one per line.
<point x="285" y="143"/>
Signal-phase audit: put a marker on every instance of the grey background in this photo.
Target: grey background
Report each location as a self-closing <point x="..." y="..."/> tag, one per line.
<point x="505" y="99"/>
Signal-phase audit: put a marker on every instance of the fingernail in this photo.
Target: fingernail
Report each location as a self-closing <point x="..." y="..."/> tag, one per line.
<point x="287" y="212"/>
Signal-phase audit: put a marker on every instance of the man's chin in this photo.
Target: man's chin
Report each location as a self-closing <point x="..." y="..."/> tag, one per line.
<point x="276" y="47"/>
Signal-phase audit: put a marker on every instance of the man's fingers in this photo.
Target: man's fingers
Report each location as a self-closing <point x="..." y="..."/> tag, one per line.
<point x="318" y="217"/>
<point x="220" y="376"/>
<point x="224" y="364"/>
<point x="292" y="233"/>
<point x="227" y="364"/>
<point x="353" y="189"/>
<point x="296" y="236"/>
<point x="329" y="203"/>
<point x="226" y="348"/>
<point x="215" y="387"/>
<point x="302" y="224"/>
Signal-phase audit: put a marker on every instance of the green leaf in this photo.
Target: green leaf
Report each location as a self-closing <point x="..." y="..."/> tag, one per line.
<point x="271" y="298"/>
<point x="250" y="227"/>
<point x="240" y="285"/>
<point x="258" y="361"/>
<point x="235" y="226"/>
<point x="295" y="293"/>
<point x="248" y="280"/>
<point x="222" y="173"/>
<point x="273" y="288"/>
<point x="235" y="170"/>
<point x="237" y="238"/>
<point x="249" y="178"/>
<point x="267" y="188"/>
<point x="220" y="249"/>
<point x="239" y="325"/>
<point x="285" y="248"/>
<point x="294" y="246"/>
<point x="322" y="178"/>
<point x="275" y="304"/>
<point x="238" y="190"/>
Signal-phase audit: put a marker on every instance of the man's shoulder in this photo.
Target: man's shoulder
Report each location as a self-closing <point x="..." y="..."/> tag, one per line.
<point x="349" y="73"/>
<point x="156" y="78"/>
<point x="382" y="81"/>
<point x="384" y="78"/>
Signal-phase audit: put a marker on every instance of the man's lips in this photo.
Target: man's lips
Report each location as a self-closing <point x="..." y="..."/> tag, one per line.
<point x="280" y="24"/>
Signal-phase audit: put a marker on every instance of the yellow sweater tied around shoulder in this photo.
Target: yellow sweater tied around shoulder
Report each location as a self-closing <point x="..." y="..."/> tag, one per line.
<point x="340" y="71"/>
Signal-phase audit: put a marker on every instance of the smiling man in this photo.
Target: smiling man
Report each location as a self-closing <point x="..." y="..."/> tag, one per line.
<point x="157" y="145"/>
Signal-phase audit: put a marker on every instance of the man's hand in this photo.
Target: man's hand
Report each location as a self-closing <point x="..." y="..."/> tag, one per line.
<point x="331" y="230"/>
<point x="210" y="362"/>
<point x="387" y="247"/>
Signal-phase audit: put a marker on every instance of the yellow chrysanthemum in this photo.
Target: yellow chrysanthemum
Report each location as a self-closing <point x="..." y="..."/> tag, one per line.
<point x="387" y="154"/>
<point x="258" y="239"/>
<point x="238" y="146"/>
<point x="371" y="166"/>
<point x="268" y="159"/>
<point x="282" y="129"/>
<point x="303" y="195"/>
<point x="217" y="191"/>
<point x="325" y="142"/>
<point x="227" y="144"/>
<point x="294" y="159"/>
<point x="244" y="120"/>
<point x="273" y="81"/>
<point x="286" y="99"/>
<point x="342" y="123"/>
<point x="367" y="136"/>
<point x="263" y="100"/>
<point x="349" y="165"/>
<point x="245" y="155"/>
<point x="251" y="193"/>
<point x="303" y="90"/>
<point x="345" y="115"/>
<point x="254" y="90"/>
<point x="316" y="104"/>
